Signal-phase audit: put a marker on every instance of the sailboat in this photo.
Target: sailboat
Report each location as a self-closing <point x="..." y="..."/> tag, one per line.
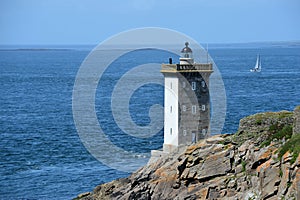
<point x="257" y="67"/>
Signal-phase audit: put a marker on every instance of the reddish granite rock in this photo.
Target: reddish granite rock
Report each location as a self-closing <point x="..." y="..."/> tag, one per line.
<point x="220" y="167"/>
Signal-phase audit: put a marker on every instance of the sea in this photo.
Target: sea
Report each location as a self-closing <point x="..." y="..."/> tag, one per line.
<point x="42" y="155"/>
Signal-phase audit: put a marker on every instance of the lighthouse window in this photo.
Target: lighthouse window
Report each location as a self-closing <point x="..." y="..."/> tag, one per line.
<point x="184" y="108"/>
<point x="184" y="132"/>
<point x="194" y="138"/>
<point x="171" y="85"/>
<point x="194" y="109"/>
<point x="203" y="131"/>
<point x="183" y="84"/>
<point x="193" y="85"/>
<point x="170" y="109"/>
<point x="170" y="131"/>
<point x="203" y="84"/>
<point x="203" y="107"/>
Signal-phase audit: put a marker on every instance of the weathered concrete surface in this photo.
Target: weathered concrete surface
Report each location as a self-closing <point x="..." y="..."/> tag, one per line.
<point x="221" y="167"/>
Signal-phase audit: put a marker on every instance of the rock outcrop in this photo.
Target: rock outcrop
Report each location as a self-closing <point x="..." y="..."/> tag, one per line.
<point x="260" y="161"/>
<point x="297" y="120"/>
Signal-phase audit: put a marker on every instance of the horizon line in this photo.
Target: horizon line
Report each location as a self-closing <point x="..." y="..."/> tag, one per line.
<point x="215" y="43"/>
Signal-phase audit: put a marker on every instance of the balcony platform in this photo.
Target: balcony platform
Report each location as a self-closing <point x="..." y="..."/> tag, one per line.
<point x="196" y="67"/>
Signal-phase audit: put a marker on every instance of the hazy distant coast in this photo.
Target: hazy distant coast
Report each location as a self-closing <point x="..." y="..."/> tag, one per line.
<point x="256" y="45"/>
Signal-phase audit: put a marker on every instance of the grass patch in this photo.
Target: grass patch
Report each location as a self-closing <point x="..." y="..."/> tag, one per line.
<point x="293" y="146"/>
<point x="244" y="166"/>
<point x="278" y="132"/>
<point x="258" y="122"/>
<point x="240" y="137"/>
<point x="284" y="114"/>
<point x="280" y="172"/>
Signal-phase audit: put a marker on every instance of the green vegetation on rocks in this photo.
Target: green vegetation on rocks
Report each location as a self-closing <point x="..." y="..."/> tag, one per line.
<point x="278" y="133"/>
<point x="264" y="127"/>
<point x="293" y="146"/>
<point x="251" y="164"/>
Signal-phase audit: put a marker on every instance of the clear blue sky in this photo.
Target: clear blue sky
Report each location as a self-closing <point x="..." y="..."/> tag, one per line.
<point x="92" y="21"/>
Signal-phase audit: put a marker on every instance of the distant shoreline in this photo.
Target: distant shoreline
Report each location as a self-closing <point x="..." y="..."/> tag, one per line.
<point x="45" y="47"/>
<point x="276" y="44"/>
<point x="36" y="49"/>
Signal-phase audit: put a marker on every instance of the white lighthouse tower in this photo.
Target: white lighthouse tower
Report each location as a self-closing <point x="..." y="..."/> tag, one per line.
<point x="186" y="100"/>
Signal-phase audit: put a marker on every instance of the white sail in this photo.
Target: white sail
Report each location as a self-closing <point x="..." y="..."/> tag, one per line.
<point x="257" y="63"/>
<point x="257" y="67"/>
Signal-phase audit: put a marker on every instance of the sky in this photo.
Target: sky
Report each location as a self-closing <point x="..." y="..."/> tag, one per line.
<point x="58" y="22"/>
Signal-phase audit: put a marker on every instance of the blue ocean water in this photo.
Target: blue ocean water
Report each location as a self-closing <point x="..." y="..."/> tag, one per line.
<point x="42" y="156"/>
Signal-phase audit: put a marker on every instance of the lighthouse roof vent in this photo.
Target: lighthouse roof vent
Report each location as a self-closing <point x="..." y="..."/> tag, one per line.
<point x="186" y="49"/>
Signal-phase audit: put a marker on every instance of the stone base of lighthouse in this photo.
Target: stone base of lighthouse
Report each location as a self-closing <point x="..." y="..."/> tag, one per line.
<point x="167" y="151"/>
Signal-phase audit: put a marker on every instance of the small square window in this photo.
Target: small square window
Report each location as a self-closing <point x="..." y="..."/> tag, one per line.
<point x="194" y="109"/>
<point x="184" y="132"/>
<point x="193" y="85"/>
<point x="183" y="84"/>
<point x="203" y="107"/>
<point x="184" y="108"/>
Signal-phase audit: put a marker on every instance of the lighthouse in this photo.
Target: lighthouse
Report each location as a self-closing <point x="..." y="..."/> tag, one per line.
<point x="186" y="100"/>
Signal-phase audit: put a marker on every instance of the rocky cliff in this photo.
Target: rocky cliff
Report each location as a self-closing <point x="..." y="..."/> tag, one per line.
<point x="260" y="161"/>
